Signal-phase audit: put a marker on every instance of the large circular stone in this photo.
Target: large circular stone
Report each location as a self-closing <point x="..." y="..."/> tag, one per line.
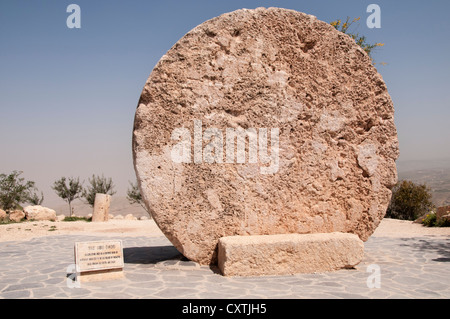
<point x="264" y="121"/>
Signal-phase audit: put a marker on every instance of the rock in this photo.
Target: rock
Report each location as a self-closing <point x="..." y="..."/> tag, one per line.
<point x="16" y="216"/>
<point x="60" y="218"/>
<point x="288" y="254"/>
<point x="101" y="208"/>
<point x="441" y="212"/>
<point x="118" y="217"/>
<point x="38" y="212"/>
<point x="143" y="218"/>
<point x="130" y="217"/>
<point x="3" y="215"/>
<point x="318" y="119"/>
<point x="421" y="219"/>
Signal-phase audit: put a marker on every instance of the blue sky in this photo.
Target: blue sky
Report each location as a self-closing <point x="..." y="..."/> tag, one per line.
<point x="68" y="96"/>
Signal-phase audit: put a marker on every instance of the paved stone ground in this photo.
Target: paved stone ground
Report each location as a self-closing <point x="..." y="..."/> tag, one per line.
<point x="409" y="268"/>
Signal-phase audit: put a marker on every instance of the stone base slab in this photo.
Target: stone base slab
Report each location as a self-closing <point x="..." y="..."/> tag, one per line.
<point x="101" y="275"/>
<point x="288" y="254"/>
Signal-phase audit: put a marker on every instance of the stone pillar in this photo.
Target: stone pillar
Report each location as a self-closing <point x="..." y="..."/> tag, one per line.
<point x="101" y="208"/>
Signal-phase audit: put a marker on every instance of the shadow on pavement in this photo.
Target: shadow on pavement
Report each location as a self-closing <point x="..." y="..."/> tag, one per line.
<point x="150" y="255"/>
<point x="441" y="247"/>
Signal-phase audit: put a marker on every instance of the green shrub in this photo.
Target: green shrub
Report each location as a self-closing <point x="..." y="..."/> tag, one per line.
<point x="409" y="201"/>
<point x="360" y="40"/>
<point x="430" y="220"/>
<point x="76" y="219"/>
<point x="443" y="223"/>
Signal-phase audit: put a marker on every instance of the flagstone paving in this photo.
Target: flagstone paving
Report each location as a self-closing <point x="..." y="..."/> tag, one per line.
<point x="41" y="268"/>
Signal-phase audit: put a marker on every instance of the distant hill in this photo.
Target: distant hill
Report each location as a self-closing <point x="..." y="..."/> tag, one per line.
<point x="435" y="174"/>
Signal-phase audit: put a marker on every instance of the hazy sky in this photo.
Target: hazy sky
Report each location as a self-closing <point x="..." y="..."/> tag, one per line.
<point x="68" y="96"/>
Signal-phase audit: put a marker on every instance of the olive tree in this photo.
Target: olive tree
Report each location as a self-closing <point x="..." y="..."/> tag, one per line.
<point x="68" y="189"/>
<point x="134" y="196"/>
<point x="15" y="190"/>
<point x="100" y="185"/>
<point x="36" y="199"/>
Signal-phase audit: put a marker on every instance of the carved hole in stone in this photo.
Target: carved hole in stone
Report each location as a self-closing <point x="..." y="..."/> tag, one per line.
<point x="211" y="78"/>
<point x="308" y="46"/>
<point x="233" y="112"/>
<point x="365" y="173"/>
<point x="210" y="33"/>
<point x="369" y="124"/>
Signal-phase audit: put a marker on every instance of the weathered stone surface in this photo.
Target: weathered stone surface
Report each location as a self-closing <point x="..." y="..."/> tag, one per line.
<point x="288" y="254"/>
<point x="3" y="215"/>
<point x="38" y="212"/>
<point x="111" y="274"/>
<point x="330" y="170"/>
<point x="101" y="208"/>
<point x="441" y="212"/>
<point x="16" y="215"/>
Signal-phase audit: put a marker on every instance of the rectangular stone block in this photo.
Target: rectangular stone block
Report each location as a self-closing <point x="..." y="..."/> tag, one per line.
<point x="288" y="254"/>
<point x="101" y="275"/>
